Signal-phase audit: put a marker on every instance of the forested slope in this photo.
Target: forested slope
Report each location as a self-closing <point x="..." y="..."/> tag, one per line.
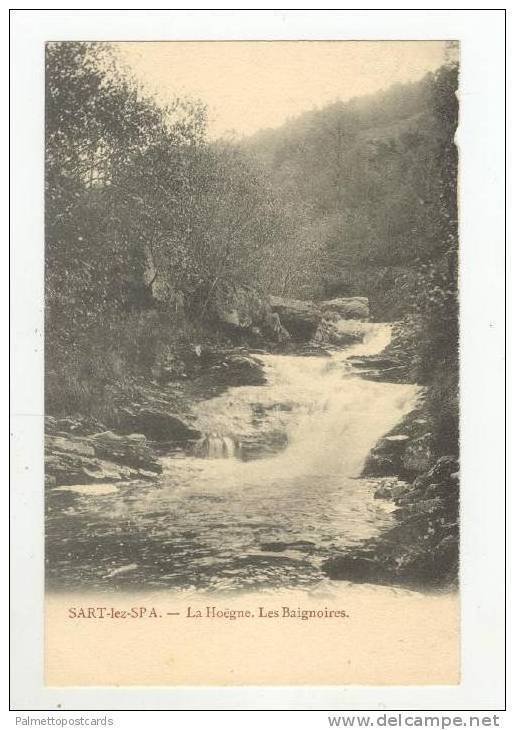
<point x="151" y="228"/>
<point x="148" y="226"/>
<point x="374" y="184"/>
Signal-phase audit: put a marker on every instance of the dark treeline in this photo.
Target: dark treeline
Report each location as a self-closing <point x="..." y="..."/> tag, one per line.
<point x="147" y="222"/>
<point x="374" y="179"/>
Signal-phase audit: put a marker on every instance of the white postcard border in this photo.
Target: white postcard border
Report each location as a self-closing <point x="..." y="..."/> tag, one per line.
<point x="481" y="142"/>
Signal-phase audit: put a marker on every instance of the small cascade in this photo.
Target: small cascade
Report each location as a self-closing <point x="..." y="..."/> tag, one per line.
<point x="326" y="417"/>
<point x="278" y="465"/>
<point x="216" y="446"/>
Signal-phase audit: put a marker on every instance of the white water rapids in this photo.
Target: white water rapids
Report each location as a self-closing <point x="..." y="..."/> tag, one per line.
<point x="266" y="519"/>
<point x="331" y="416"/>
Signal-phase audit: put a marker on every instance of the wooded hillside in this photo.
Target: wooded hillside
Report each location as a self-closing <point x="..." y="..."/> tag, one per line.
<point x="149" y="224"/>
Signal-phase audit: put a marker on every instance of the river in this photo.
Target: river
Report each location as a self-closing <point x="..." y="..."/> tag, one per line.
<point x="273" y="491"/>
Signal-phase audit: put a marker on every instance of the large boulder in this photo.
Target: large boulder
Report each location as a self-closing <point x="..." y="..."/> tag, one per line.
<point x="338" y="333"/>
<point x="131" y="450"/>
<point x="422" y="546"/>
<point x="301" y="318"/>
<point x="236" y="369"/>
<point x="346" y="308"/>
<point x="156" y="424"/>
<point x="244" y="311"/>
<point x="102" y="457"/>
<point x="240" y="307"/>
<point x="274" y="329"/>
<point x="419" y="454"/>
<point x="391" y="488"/>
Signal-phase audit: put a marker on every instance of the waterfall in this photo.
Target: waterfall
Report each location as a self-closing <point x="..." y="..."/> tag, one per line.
<point x="268" y="520"/>
<point x="216" y="446"/>
<point x="339" y="416"/>
<point x="330" y="415"/>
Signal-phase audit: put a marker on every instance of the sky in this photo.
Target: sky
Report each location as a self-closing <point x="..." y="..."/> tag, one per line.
<point x="249" y="86"/>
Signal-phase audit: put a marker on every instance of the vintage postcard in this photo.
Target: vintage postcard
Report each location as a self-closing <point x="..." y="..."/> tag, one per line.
<point x="251" y="373"/>
<point x="252" y="354"/>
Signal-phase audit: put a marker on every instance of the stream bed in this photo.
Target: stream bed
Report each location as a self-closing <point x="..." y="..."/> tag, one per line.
<point x="273" y="492"/>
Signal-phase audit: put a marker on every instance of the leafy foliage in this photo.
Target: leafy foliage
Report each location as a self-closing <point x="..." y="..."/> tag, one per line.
<point x="377" y="179"/>
<point x="144" y="214"/>
<point x="375" y="173"/>
<point x="140" y="211"/>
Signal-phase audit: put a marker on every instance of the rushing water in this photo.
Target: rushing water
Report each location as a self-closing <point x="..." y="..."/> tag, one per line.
<point x="271" y="491"/>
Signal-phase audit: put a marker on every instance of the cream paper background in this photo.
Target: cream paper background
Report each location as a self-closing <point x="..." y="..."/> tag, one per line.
<point x="481" y="150"/>
<point x="391" y="637"/>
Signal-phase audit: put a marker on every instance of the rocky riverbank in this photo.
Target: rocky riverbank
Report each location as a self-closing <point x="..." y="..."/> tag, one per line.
<point x="156" y="418"/>
<point x="422" y="548"/>
<point x="153" y="416"/>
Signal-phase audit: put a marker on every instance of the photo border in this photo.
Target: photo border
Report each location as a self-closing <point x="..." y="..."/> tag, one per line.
<point x="482" y="115"/>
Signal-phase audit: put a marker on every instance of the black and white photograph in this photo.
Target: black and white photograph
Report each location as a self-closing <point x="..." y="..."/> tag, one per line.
<point x="251" y="321"/>
<point x="259" y="455"/>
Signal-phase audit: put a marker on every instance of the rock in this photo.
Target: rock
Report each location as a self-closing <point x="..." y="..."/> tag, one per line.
<point x="156" y="425"/>
<point x="382" y="368"/>
<point x="238" y="306"/>
<point x="63" y="469"/>
<point x="261" y="445"/>
<point x="395" y="444"/>
<point x="131" y="450"/>
<point x="69" y="444"/>
<point x="445" y="469"/>
<point x="139" y="438"/>
<point x="416" y="553"/>
<point x="312" y="349"/>
<point x="301" y="318"/>
<point x="66" y="469"/>
<point x="421" y="505"/>
<point x="279" y="547"/>
<point x="373" y="362"/>
<point x="385" y="459"/>
<point x="247" y="312"/>
<point x="106" y="471"/>
<point x="237" y="370"/>
<point x="447" y="555"/>
<point x="442" y="474"/>
<point x="358" y="362"/>
<point x="78" y="425"/>
<point x="379" y="465"/>
<point x="274" y="325"/>
<point x="50" y="425"/>
<point x="357" y="568"/>
<point x="391" y="489"/>
<point x="347" y="307"/>
<point x="398" y="374"/>
<point x="332" y="333"/>
<point x="102" y="457"/>
<point x="422" y="548"/>
<point x="419" y="454"/>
